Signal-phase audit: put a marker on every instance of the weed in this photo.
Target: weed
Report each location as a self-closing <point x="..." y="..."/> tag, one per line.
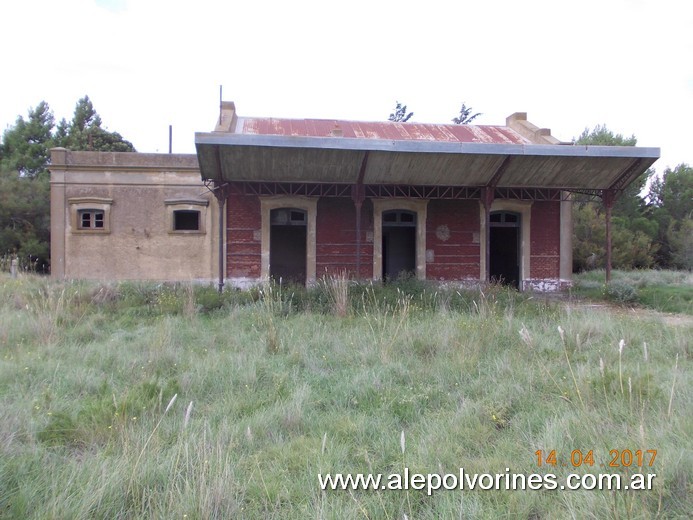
<point x="337" y="289"/>
<point x="49" y="307"/>
<point x="273" y="307"/>
<point x="385" y="319"/>
<point x="621" y="292"/>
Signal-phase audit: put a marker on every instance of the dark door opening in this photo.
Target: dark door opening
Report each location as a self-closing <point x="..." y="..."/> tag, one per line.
<point x="288" y="234"/>
<point x="505" y="248"/>
<point x="399" y="244"/>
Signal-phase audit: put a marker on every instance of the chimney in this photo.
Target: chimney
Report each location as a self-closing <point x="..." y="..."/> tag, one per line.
<point x="227" y="117"/>
<point x="518" y="122"/>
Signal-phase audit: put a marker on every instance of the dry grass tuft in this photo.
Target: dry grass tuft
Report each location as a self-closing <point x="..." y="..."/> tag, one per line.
<point x="337" y="289"/>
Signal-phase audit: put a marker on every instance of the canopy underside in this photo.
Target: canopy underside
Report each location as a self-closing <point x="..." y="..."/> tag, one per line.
<point x="227" y="157"/>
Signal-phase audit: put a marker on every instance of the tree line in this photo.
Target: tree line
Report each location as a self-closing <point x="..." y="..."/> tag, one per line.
<point x="652" y="219"/>
<point x="24" y="176"/>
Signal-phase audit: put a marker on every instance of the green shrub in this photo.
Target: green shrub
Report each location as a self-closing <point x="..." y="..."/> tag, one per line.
<point x="621" y="292"/>
<point x="208" y="298"/>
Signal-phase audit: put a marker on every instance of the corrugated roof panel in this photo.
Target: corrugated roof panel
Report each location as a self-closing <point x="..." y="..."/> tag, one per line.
<point x="381" y="130"/>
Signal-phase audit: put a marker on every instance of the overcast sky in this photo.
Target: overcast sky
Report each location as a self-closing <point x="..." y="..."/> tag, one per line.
<point x="147" y="64"/>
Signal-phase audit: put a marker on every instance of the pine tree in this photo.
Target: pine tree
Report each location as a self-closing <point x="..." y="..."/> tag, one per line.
<point x="671" y="204"/>
<point x="465" y="116"/>
<point x="85" y="132"/>
<point x="26" y="146"/>
<point x="400" y="114"/>
<point x="24" y="177"/>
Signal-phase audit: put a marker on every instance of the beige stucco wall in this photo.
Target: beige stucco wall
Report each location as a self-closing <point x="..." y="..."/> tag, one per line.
<point x="140" y="244"/>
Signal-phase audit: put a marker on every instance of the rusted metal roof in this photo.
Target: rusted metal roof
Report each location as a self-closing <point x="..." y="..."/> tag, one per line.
<point x="380" y="130"/>
<point x="386" y="153"/>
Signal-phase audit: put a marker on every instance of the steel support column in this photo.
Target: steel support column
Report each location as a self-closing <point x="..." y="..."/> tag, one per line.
<point x="221" y="193"/>
<point x="608" y="197"/>
<point x="487" y="200"/>
<point x="488" y="194"/>
<point x="358" y="205"/>
<point x="358" y="195"/>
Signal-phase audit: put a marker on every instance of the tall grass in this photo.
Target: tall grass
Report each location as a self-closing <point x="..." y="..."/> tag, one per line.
<point x="415" y="376"/>
<point x="336" y="287"/>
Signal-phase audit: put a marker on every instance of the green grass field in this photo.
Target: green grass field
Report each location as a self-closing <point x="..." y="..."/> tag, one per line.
<point x="273" y="387"/>
<point x="665" y="291"/>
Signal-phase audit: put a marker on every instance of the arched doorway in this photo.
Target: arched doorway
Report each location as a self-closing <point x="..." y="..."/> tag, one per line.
<point x="505" y="248"/>
<point x="398" y="243"/>
<point x="287" y="251"/>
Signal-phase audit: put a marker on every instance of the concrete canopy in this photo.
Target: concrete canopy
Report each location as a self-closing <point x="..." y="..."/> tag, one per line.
<point x="234" y="157"/>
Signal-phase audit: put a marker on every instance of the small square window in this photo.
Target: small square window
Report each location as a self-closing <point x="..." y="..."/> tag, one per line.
<point x="186" y="216"/>
<point x="186" y="220"/>
<point x="91" y="219"/>
<point x="90" y="215"/>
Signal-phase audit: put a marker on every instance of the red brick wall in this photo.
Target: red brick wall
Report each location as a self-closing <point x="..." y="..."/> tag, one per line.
<point x="456" y="257"/>
<point x="545" y="240"/>
<point x="243" y="222"/>
<point x="336" y="237"/>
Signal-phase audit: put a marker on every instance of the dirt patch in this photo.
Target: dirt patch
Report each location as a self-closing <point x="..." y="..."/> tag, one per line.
<point x="667" y="318"/>
<point x="572" y="302"/>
